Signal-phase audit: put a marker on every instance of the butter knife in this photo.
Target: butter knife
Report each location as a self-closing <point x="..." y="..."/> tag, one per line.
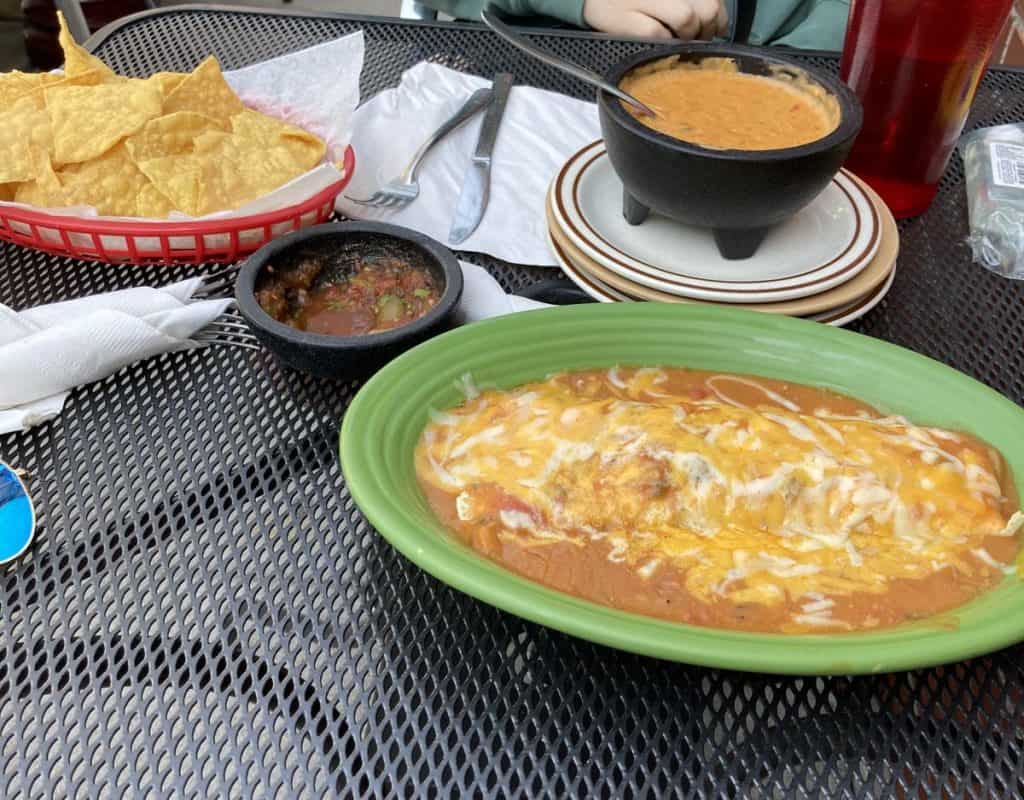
<point x="476" y="188"/>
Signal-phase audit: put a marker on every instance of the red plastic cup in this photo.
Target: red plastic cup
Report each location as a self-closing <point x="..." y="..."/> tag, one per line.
<point x="915" y="65"/>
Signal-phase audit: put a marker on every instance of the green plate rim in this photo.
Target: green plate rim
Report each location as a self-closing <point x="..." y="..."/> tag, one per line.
<point x="951" y="636"/>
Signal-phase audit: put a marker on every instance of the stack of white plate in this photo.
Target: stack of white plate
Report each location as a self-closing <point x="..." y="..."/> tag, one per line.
<point x="833" y="262"/>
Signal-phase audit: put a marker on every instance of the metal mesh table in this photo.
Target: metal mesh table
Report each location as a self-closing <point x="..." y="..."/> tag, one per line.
<point x="205" y="613"/>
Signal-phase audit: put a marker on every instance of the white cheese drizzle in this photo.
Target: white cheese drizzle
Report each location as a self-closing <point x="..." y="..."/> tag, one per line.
<point x="773" y="396"/>
<point x="466" y="385"/>
<point x="986" y="558"/>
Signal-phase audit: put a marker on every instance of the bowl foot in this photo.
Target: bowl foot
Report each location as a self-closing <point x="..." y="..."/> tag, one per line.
<point x="735" y="245"/>
<point x="633" y="210"/>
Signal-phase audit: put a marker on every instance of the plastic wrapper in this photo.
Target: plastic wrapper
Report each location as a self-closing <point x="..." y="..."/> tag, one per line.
<point x="994" y="164"/>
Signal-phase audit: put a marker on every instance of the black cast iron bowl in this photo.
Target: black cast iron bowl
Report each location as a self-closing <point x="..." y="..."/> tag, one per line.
<point x="739" y="194"/>
<point x="348" y="356"/>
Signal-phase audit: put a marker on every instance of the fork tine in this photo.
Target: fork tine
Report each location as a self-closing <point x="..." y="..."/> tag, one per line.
<point x="229" y="327"/>
<point x="230" y="317"/>
<point x="231" y="330"/>
<point x="383" y="198"/>
<point x="207" y="341"/>
<point x="372" y="200"/>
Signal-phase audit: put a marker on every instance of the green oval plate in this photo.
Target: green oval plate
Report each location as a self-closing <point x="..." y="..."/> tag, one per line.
<point x="384" y="422"/>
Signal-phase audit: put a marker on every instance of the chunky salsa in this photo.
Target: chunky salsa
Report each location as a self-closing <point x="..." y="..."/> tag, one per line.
<point x="377" y="295"/>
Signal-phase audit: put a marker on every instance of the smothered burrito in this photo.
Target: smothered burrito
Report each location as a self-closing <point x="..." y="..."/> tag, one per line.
<point x="722" y="500"/>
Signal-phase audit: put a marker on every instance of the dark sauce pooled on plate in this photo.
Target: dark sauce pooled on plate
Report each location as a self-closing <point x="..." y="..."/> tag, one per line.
<point x="348" y="288"/>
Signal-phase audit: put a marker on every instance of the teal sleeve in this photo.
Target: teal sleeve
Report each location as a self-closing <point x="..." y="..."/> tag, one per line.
<point x="570" y="11"/>
<point x="809" y="24"/>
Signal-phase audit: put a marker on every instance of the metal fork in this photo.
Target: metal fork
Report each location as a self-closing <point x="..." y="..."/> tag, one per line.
<point x="401" y="191"/>
<point x="218" y="283"/>
<point x="227" y="330"/>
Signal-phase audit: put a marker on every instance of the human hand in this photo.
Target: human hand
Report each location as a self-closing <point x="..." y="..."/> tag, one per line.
<point x="658" y="19"/>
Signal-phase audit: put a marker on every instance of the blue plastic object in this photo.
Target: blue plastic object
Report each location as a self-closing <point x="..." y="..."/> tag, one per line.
<point x="17" y="516"/>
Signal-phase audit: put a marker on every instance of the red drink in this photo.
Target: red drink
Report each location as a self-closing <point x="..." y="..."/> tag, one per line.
<point x="915" y="64"/>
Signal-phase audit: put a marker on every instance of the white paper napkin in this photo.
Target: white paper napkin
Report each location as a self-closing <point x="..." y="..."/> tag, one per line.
<point x="538" y="133"/>
<point x="483" y="297"/>
<point x="316" y="88"/>
<point x="47" y="351"/>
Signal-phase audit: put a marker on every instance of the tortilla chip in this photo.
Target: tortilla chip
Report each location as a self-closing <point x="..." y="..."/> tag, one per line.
<point x="111" y="183"/>
<point x="305" y="148"/>
<point x="153" y="203"/>
<point x="24" y="141"/>
<point x="44" y="191"/>
<point x="36" y="95"/>
<point x="235" y="172"/>
<point x="178" y="179"/>
<point x="87" y="121"/>
<point x="167" y="82"/>
<point x="7" y="191"/>
<point x="89" y="77"/>
<point x="14" y="85"/>
<point x="221" y="174"/>
<point x="76" y="58"/>
<point x="34" y="100"/>
<point x="205" y="92"/>
<point x="169" y="135"/>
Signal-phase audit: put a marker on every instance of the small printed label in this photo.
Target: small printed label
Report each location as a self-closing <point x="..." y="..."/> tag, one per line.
<point x="1007" y="164"/>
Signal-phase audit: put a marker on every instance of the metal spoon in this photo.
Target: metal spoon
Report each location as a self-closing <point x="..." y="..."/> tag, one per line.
<point x="493" y="22"/>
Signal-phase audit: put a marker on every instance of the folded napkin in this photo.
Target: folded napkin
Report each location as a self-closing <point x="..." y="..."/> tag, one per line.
<point x="538" y="133"/>
<point x="483" y="297"/>
<point x="47" y="351"/>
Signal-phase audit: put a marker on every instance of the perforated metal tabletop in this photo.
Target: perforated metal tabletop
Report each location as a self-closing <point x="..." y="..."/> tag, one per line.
<point x="205" y="614"/>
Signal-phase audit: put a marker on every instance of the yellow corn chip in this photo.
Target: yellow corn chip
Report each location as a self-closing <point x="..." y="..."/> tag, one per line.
<point x="76" y="58"/>
<point x="169" y="135"/>
<point x="206" y="92"/>
<point x="87" y="121"/>
<point x="167" y="82"/>
<point x="177" y="178"/>
<point x="89" y="77"/>
<point x="234" y="171"/>
<point x="219" y="175"/>
<point x="14" y="85"/>
<point x="111" y="183"/>
<point x="35" y="94"/>
<point x="24" y="139"/>
<point x="33" y="100"/>
<point x="305" y="148"/>
<point x="153" y="203"/>
<point x="44" y="191"/>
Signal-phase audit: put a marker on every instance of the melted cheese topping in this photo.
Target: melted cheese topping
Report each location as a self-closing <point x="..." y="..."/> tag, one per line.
<point x="762" y="502"/>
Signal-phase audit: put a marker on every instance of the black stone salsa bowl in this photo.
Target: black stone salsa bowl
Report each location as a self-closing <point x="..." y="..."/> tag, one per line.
<point x="739" y="194"/>
<point x="349" y="243"/>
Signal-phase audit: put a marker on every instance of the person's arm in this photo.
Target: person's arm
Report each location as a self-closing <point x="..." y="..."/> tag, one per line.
<point x="650" y="19"/>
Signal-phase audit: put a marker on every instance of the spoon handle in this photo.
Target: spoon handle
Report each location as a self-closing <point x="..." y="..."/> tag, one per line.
<point x="491" y="19"/>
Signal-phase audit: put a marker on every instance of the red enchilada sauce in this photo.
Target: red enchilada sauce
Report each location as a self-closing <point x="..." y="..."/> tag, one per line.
<point x="612" y="559"/>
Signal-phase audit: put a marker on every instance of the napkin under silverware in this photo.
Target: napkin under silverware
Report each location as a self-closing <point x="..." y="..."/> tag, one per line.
<point x="539" y="131"/>
<point x="48" y="350"/>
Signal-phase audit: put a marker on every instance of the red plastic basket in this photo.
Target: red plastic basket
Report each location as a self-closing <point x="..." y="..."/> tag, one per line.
<point x="118" y="242"/>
